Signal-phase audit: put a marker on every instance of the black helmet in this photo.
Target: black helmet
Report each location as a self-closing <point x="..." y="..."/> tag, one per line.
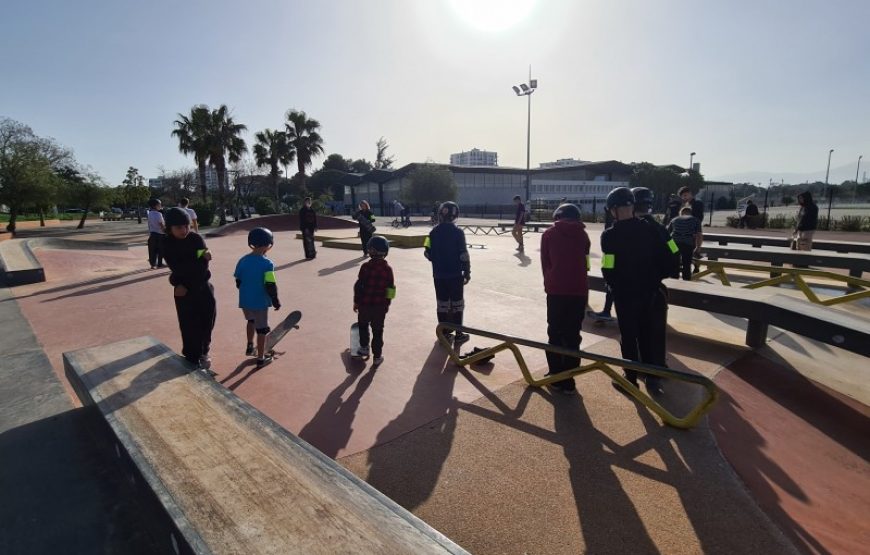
<point x="567" y="211"/>
<point x="449" y="211"/>
<point x="643" y="199"/>
<point x="621" y="196"/>
<point x="177" y="216"/>
<point x="378" y="245"/>
<point x="260" y="237"/>
<point x="153" y="202"/>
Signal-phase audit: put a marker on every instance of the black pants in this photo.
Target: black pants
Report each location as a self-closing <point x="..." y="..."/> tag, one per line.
<point x="608" y="301"/>
<point x="643" y="323"/>
<point x="364" y="237"/>
<point x="308" y="242"/>
<point x="686" y="252"/>
<point x="196" y="316"/>
<point x="564" y="320"/>
<point x="372" y="315"/>
<point x="155" y="249"/>
<point x="448" y="295"/>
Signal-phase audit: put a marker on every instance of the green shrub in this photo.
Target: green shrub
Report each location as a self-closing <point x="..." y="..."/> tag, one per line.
<point x="824" y="223"/>
<point x="589" y="217"/>
<point x="264" y="206"/>
<point x="204" y="213"/>
<point x="781" y="221"/>
<point x="851" y="223"/>
<point x="732" y="221"/>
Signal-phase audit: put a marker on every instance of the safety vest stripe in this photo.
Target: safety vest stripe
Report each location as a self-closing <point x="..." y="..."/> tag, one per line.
<point x="270" y="277"/>
<point x="608" y="261"/>
<point x="391" y="292"/>
<point x="588" y="264"/>
<point x="201" y="252"/>
<point x="673" y="246"/>
<point x="427" y="243"/>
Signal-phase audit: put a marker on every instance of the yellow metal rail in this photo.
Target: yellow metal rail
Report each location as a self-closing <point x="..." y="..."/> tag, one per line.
<point x="859" y="288"/>
<point x="599" y="362"/>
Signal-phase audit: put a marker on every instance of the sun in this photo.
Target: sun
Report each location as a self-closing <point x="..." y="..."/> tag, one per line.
<point x="492" y="15"/>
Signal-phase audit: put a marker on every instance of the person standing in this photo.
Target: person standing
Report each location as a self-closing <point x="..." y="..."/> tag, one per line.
<point x="374" y="290"/>
<point x="688" y="198"/>
<point x="446" y="249"/>
<point x="258" y="291"/>
<point x="194" y="221"/>
<point x="308" y="227"/>
<point x="565" y="263"/>
<point x="188" y="258"/>
<point x="156" y="231"/>
<point x="605" y="315"/>
<point x="634" y="262"/>
<point x="806" y="223"/>
<point x="519" y="222"/>
<point x="686" y="232"/>
<point x="366" y="221"/>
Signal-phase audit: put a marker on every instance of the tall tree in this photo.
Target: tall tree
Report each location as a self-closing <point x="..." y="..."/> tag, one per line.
<point x="430" y="183"/>
<point x="194" y="133"/>
<point x="86" y="190"/>
<point x="337" y="162"/>
<point x="134" y="190"/>
<point x="382" y="161"/>
<point x="360" y="166"/>
<point x="225" y="143"/>
<point x="302" y="132"/>
<point x="273" y="148"/>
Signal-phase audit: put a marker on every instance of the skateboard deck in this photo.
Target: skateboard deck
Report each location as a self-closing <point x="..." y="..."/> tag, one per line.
<point x="354" y="342"/>
<point x="279" y="331"/>
<point x="308" y="244"/>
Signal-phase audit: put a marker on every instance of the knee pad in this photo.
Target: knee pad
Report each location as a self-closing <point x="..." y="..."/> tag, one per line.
<point x="263" y="331"/>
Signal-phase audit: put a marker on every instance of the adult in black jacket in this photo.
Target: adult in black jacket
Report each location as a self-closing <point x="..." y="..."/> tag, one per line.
<point x="366" y="221"/>
<point x="308" y="227"/>
<point x="806" y="223"/>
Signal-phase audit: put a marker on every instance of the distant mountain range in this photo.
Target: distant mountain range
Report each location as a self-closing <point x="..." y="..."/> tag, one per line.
<point x="839" y="174"/>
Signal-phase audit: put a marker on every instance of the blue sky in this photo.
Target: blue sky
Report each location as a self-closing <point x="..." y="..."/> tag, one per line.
<point x="749" y="85"/>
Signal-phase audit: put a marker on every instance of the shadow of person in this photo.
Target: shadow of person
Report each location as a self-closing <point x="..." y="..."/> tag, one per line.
<point x="340" y="267"/>
<point x="330" y="428"/>
<point x="524" y="260"/>
<point x="291" y="264"/>
<point x="402" y="470"/>
<point x="609" y="521"/>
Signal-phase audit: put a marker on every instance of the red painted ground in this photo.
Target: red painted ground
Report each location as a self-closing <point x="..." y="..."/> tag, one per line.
<point x="801" y="449"/>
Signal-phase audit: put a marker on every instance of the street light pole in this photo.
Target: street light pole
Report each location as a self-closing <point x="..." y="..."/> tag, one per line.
<point x="691" y="157"/>
<point x="830" y="192"/>
<point x="858" y="169"/>
<point x="526" y="89"/>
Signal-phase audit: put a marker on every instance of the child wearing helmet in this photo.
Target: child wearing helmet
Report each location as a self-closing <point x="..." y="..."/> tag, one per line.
<point x="188" y="257"/>
<point x="634" y="261"/>
<point x="258" y="290"/>
<point x="565" y="263"/>
<point x="446" y="249"/>
<point x="373" y="292"/>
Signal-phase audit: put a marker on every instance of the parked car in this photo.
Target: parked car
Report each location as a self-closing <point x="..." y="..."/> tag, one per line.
<point x="74" y="211"/>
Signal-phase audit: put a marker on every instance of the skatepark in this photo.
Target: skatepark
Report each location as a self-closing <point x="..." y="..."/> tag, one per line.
<point x="485" y="462"/>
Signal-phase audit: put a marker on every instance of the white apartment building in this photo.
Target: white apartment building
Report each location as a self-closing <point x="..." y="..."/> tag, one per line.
<point x="474" y="157"/>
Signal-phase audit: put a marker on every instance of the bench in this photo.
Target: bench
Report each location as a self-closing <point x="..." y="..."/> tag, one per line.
<point x="857" y="264"/>
<point x="20" y="266"/>
<point x="528" y="226"/>
<point x="763" y="310"/>
<point x="229" y="479"/>
<point x="759" y="241"/>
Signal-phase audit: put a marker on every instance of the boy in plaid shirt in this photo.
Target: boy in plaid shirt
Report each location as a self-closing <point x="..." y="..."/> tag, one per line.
<point x="372" y="293"/>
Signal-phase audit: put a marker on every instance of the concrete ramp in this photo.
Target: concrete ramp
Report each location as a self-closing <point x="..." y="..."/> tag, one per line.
<point x="229" y="478"/>
<point x="20" y="266"/>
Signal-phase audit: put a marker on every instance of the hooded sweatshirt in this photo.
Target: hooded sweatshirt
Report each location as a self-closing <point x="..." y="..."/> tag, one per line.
<point x="808" y="215"/>
<point x="565" y="259"/>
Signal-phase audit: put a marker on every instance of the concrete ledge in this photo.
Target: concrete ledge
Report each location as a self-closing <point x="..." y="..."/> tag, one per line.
<point x="229" y="478"/>
<point x="398" y="241"/>
<point x="20" y="266"/>
<point x="763" y="309"/>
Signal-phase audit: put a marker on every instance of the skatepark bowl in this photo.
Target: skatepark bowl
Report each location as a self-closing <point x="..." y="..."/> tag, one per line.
<point x="109" y="443"/>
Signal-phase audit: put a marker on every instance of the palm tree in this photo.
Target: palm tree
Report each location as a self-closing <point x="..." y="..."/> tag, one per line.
<point x="224" y="144"/>
<point x="273" y="148"/>
<point x="306" y="141"/>
<point x="193" y="136"/>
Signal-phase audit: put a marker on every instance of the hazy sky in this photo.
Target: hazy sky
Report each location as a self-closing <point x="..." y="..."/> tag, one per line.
<point x="747" y="84"/>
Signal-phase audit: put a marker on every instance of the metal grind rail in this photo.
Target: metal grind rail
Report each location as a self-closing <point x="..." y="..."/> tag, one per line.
<point x="859" y="288"/>
<point x="608" y="365"/>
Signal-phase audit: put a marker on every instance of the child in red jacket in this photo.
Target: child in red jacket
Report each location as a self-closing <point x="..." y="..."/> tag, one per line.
<point x="565" y="262"/>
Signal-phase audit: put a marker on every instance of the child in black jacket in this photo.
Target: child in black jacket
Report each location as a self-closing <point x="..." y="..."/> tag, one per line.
<point x="188" y="257"/>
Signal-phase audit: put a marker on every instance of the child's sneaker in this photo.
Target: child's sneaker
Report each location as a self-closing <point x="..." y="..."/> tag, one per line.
<point x="363" y="352"/>
<point x="205" y="362"/>
<point x="267" y="358"/>
<point x="461" y="338"/>
<point x="378" y="360"/>
<point x="249" y="350"/>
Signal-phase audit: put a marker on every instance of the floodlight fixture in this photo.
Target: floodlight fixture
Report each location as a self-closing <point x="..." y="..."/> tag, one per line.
<point x="525" y="88"/>
<point x="516" y="90"/>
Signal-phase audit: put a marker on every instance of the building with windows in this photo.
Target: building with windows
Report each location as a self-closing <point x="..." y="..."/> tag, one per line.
<point x="486" y="189"/>
<point x="474" y="157"/>
<point x="562" y="162"/>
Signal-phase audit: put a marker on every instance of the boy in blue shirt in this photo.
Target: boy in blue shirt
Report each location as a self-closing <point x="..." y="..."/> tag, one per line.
<point x="258" y="290"/>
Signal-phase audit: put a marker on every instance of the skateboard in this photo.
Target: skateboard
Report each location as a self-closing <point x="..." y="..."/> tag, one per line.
<point x="308" y="244"/>
<point x="354" y="343"/>
<point x="291" y="322"/>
